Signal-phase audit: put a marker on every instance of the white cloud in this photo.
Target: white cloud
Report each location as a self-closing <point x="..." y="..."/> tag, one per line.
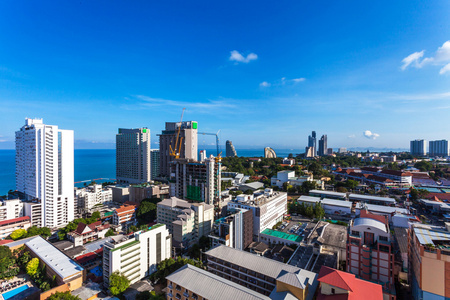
<point x="264" y="84"/>
<point x="442" y="57"/>
<point x="352" y="136"/>
<point x="299" y="79"/>
<point x="445" y="69"/>
<point x="282" y="81"/>
<point x="238" y="57"/>
<point x="210" y="104"/>
<point x="370" y="135"/>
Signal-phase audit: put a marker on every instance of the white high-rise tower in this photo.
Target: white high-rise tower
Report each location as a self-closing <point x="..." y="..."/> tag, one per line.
<point x="45" y="170"/>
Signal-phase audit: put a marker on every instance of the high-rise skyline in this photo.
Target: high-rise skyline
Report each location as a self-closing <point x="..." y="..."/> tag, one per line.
<point x="187" y="143"/>
<point x="418" y="147"/>
<point x="133" y="155"/>
<point x="230" y="150"/>
<point x="312" y="142"/>
<point x="45" y="170"/>
<point x="154" y="163"/>
<point x="438" y="148"/>
<point x="323" y="146"/>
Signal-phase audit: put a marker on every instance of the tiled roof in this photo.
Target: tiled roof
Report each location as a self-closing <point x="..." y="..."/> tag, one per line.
<point x="336" y="278"/>
<point x="6" y="222"/>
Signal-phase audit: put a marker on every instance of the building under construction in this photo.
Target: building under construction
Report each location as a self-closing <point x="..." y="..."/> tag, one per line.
<point x="196" y="181"/>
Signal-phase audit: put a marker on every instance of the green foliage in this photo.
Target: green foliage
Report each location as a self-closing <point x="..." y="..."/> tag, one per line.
<point x="170" y="265"/>
<point x="146" y="213"/>
<point x="423" y="166"/>
<point x="277" y="225"/>
<point x="32" y="266"/>
<point x="7" y="263"/>
<point x="62" y="233"/>
<point x="63" y="296"/>
<point x="147" y="295"/>
<point x="24" y="258"/>
<point x="310" y="211"/>
<point x="18" y="234"/>
<point x="45" y="232"/>
<point x="110" y="232"/>
<point x="417" y="194"/>
<point x="341" y="189"/>
<point x="118" y="283"/>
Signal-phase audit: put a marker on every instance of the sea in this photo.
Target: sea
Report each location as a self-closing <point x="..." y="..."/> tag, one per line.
<point x="100" y="164"/>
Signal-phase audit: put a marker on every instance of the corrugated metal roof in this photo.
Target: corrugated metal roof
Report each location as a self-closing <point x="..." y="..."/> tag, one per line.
<point x="426" y="236"/>
<point x="375" y="198"/>
<point x="262" y="265"/>
<point x="210" y="286"/>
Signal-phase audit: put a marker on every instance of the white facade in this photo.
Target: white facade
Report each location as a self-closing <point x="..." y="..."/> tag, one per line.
<point x="45" y="170"/>
<point x="138" y="256"/>
<point x="90" y="196"/>
<point x="11" y="209"/>
<point x="268" y="208"/>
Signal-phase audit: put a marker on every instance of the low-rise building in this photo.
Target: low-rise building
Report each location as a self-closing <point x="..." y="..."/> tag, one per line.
<point x="290" y="178"/>
<point x="268" y="208"/>
<point x="88" y="197"/>
<point x="273" y="237"/>
<point x="328" y="194"/>
<point x="8" y="226"/>
<point x="234" y="230"/>
<point x="121" y="192"/>
<point x="87" y="233"/>
<point x="137" y="256"/>
<point x="11" y="209"/>
<point x="372" y="199"/>
<point x="33" y="209"/>
<point x="187" y="222"/>
<point x="124" y="215"/>
<point x="147" y="191"/>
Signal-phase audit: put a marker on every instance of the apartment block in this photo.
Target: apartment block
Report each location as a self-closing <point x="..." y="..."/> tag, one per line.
<point x="133" y="155"/>
<point x="8" y="226"/>
<point x="136" y="256"/>
<point x="187" y="143"/>
<point x="323" y="146"/>
<point x="234" y="230"/>
<point x="88" y="197"/>
<point x="11" y="209"/>
<point x="146" y="191"/>
<point x="45" y="170"/>
<point x="260" y="274"/>
<point x="418" y="147"/>
<point x="197" y="181"/>
<point x="33" y="209"/>
<point x="370" y="253"/>
<point x="154" y="163"/>
<point x="268" y="208"/>
<point x="187" y="222"/>
<point x="125" y="215"/>
<point x="429" y="259"/>
<point x="438" y="148"/>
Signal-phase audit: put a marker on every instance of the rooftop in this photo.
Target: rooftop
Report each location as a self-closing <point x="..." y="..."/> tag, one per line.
<point x="53" y="258"/>
<point x="21" y="219"/>
<point x="429" y="234"/>
<point x="328" y="193"/>
<point x="374" y="198"/>
<point x="282" y="235"/>
<point x="366" y="222"/>
<point x="210" y="286"/>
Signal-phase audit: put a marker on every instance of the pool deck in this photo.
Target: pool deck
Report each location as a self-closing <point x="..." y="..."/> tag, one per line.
<point x="26" y="283"/>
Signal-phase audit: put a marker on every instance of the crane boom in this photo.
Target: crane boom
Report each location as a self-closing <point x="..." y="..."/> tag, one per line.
<point x="177" y="140"/>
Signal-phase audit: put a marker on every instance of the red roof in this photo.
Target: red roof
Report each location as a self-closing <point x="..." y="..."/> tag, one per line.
<point x="3" y="242"/>
<point x="81" y="227"/>
<point x="6" y="222"/>
<point x="358" y="288"/>
<point x="380" y="218"/>
<point x="125" y="209"/>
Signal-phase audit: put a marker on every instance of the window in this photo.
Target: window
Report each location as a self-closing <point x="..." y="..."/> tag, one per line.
<point x="333" y="291"/>
<point x="178" y="288"/>
<point x="383" y="238"/>
<point x="355" y="233"/>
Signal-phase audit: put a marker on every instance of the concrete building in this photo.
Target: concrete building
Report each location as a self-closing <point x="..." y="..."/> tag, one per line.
<point x="429" y="259"/>
<point x="45" y="170"/>
<point x="121" y="192"/>
<point x="289" y="177"/>
<point x="312" y="142"/>
<point x="124" y="215"/>
<point x="268" y="208"/>
<point x="136" y="256"/>
<point x="202" y="155"/>
<point x="58" y="266"/>
<point x="154" y="163"/>
<point x="372" y="199"/>
<point x="269" y="153"/>
<point x="342" y="150"/>
<point x="370" y="254"/>
<point x="438" y="148"/>
<point x="8" y="226"/>
<point x="309" y="152"/>
<point x="167" y="139"/>
<point x="33" y="209"/>
<point x="197" y="181"/>
<point x="146" y="191"/>
<point x="133" y="155"/>
<point x="11" y="209"/>
<point x="263" y="275"/>
<point x="90" y="196"/>
<point x="328" y="194"/>
<point x="234" y="230"/>
<point x="230" y="151"/>
<point x="187" y="222"/>
<point x="323" y="146"/>
<point x="418" y="147"/>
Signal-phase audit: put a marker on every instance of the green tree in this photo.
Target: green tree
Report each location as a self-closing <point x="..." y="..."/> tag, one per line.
<point x="63" y="296"/>
<point x="319" y="212"/>
<point x="423" y="166"/>
<point x="146" y="213"/>
<point x="307" y="186"/>
<point x="309" y="211"/>
<point x="24" y="258"/>
<point x="32" y="266"/>
<point x="341" y="189"/>
<point x="118" y="283"/>
<point x="18" y="234"/>
<point x="7" y="262"/>
<point x="110" y="232"/>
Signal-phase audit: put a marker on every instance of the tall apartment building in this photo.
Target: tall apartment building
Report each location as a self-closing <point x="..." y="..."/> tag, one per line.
<point x="269" y="153"/>
<point x="230" y="151"/>
<point x="268" y="208"/>
<point x="429" y="259"/>
<point x="234" y="230"/>
<point x="197" y="181"/>
<point x="133" y="155"/>
<point x="418" y="147"/>
<point x="167" y="139"/>
<point x="154" y="163"/>
<point x="87" y="197"/>
<point x="187" y="222"/>
<point x="45" y="170"/>
<point x="370" y="251"/>
<point x="323" y="146"/>
<point x="312" y="142"/>
<point x="136" y="256"/>
<point x="11" y="209"/>
<point x="438" y="148"/>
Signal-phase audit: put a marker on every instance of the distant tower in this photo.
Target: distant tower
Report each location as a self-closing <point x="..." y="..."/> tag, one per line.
<point x="230" y="151"/>
<point x="312" y="142"/>
<point x="154" y="164"/>
<point x="202" y="155"/>
<point x="438" y="148"/>
<point x="269" y="153"/>
<point x="133" y="155"/>
<point x="418" y="147"/>
<point x="323" y="145"/>
<point x="187" y="137"/>
<point x="45" y="170"/>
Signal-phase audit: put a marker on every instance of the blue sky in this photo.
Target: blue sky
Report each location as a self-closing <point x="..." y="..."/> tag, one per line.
<point x="265" y="73"/>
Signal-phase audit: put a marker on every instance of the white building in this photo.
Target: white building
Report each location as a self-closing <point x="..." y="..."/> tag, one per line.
<point x="45" y="170"/>
<point x="289" y="177"/>
<point x="90" y="196"/>
<point x="137" y="256"/>
<point x="268" y="208"/>
<point x="11" y="209"/>
<point x="133" y="155"/>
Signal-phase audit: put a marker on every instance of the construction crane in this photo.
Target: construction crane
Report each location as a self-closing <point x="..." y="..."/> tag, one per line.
<point x="217" y="140"/>
<point x="178" y="141"/>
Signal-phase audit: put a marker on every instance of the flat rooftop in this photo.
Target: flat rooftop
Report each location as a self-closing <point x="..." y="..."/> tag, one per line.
<point x="373" y="198"/>
<point x="383" y="209"/>
<point x="282" y="235"/>
<point x="331" y="193"/>
<point x="53" y="258"/>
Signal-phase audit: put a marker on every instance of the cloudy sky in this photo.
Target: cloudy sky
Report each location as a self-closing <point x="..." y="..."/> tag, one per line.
<point x="266" y="73"/>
